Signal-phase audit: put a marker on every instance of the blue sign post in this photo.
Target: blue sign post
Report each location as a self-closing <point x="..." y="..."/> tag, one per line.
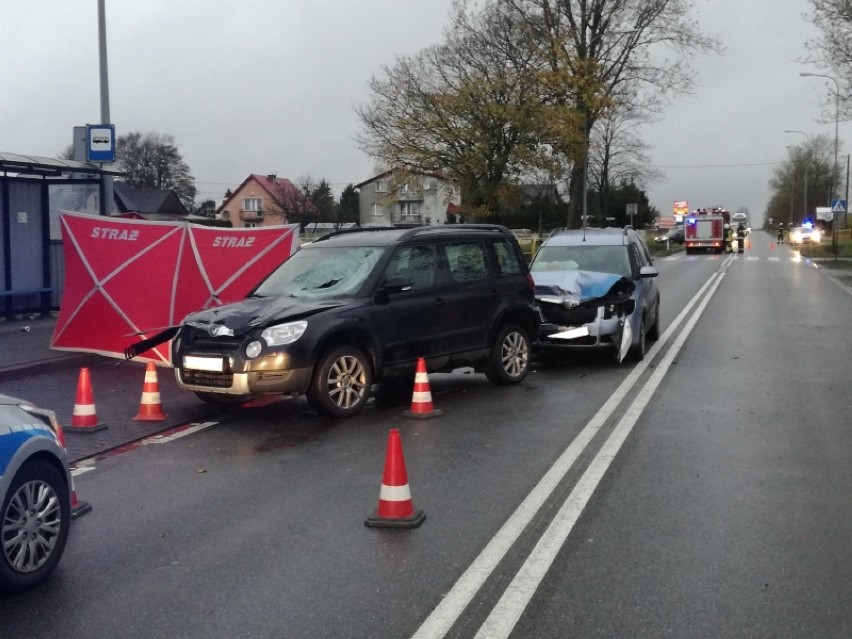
<point x="100" y="142"/>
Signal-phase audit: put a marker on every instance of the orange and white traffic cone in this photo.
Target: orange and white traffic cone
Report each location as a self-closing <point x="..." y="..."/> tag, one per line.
<point x="85" y="418"/>
<point x="150" y="407"/>
<point x="395" y="509"/>
<point x="78" y="507"/>
<point x="421" y="399"/>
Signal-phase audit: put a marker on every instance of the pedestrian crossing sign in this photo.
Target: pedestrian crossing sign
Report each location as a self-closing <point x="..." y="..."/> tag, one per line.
<point x="838" y="206"/>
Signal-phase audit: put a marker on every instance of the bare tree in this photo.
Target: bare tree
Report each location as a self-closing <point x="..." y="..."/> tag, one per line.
<point x="617" y="153"/>
<point x="832" y="51"/>
<point x="291" y="204"/>
<point x="475" y="108"/>
<point x="812" y="162"/>
<point x="602" y="47"/>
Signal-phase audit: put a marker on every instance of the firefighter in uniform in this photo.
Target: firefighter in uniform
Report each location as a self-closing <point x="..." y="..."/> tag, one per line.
<point x="729" y="239"/>
<point x="781" y="233"/>
<point x="741" y="234"/>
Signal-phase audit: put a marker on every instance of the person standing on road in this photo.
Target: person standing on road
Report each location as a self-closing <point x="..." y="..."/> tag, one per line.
<point x="781" y="233"/>
<point x="729" y="239"/>
<point x="741" y="233"/>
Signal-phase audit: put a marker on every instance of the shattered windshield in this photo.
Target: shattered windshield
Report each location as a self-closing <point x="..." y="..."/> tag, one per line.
<point x="321" y="272"/>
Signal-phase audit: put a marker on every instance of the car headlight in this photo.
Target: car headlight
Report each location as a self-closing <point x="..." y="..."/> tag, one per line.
<point x="284" y="333"/>
<point x="254" y="348"/>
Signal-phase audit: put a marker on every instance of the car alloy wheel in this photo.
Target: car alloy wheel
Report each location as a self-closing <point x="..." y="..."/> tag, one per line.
<point x="341" y="383"/>
<point x="34" y="526"/>
<point x="510" y="358"/>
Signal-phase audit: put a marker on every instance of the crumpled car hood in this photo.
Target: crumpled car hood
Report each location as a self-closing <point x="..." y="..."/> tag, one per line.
<point x="573" y="288"/>
<point x="253" y="312"/>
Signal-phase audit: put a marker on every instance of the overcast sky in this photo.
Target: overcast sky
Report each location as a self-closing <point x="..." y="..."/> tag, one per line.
<point x="270" y="87"/>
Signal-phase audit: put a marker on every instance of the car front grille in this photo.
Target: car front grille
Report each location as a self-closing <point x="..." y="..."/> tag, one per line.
<point x="206" y="378"/>
<point x="561" y="316"/>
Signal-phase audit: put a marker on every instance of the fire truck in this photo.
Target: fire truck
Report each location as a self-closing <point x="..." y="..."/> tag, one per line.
<point x="704" y="229"/>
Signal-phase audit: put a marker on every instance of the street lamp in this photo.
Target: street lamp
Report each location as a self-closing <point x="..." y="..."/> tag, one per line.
<point x="805" y="74"/>
<point x="807" y="153"/>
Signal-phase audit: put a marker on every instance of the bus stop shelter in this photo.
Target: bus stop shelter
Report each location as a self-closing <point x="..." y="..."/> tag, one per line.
<point x="32" y="192"/>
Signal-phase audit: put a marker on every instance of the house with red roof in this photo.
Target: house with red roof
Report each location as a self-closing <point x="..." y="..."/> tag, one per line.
<point x="405" y="198"/>
<point x="266" y="200"/>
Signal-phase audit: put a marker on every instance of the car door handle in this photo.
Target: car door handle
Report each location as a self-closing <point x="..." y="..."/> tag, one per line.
<point x="439" y="301"/>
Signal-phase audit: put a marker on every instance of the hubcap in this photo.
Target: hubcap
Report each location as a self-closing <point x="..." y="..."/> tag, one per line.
<point x="347" y="382"/>
<point x="31" y="526"/>
<point x="515" y="354"/>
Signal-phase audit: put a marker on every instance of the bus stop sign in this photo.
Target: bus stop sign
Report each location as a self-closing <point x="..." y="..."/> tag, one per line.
<point x="100" y="142"/>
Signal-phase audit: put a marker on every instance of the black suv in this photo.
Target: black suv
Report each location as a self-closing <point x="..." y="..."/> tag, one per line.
<point x="359" y="305"/>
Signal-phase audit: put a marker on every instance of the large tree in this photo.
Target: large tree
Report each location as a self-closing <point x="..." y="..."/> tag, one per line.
<point x="516" y="82"/>
<point x="152" y="161"/>
<point x="476" y="107"/>
<point x="611" y="49"/>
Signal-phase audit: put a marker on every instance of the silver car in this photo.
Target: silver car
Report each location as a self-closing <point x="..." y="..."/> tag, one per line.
<point x="596" y="289"/>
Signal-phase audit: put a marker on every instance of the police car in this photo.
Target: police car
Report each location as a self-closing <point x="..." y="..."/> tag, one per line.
<point x="35" y="494"/>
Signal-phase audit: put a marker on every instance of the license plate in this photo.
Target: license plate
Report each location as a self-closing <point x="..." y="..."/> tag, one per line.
<point x="214" y="364"/>
<point x="571" y="333"/>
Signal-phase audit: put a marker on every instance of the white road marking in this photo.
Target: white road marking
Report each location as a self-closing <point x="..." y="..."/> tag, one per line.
<point x="165" y="439"/>
<point x="774" y="259"/>
<point x="79" y="470"/>
<point x="504" y="616"/>
<point x="451" y="607"/>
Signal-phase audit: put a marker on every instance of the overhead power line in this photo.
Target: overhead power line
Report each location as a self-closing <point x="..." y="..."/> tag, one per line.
<point x="715" y="166"/>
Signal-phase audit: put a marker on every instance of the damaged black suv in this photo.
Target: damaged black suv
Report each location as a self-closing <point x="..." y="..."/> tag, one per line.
<point x="356" y="306"/>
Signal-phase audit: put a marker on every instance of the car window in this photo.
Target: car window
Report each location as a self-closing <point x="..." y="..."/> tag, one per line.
<point x="507" y="258"/>
<point x="636" y="259"/>
<point x="467" y="261"/>
<point x="604" y="259"/>
<point x="415" y="263"/>
<point x="321" y="272"/>
<point x="645" y="258"/>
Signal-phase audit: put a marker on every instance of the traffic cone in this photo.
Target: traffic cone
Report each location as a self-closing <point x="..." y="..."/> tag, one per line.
<point x="84" y="418"/>
<point x="78" y="507"/>
<point x="395" y="509"/>
<point x="150" y="408"/>
<point x="772" y="246"/>
<point x="421" y="399"/>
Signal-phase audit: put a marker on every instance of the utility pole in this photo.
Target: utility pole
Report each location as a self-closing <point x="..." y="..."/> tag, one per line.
<point x="107" y="199"/>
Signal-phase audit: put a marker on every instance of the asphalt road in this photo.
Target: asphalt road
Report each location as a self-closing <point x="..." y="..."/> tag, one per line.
<point x="702" y="493"/>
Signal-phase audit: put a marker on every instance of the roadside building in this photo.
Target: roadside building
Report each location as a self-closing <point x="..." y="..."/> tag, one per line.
<point x="395" y="198"/>
<point x="266" y="200"/>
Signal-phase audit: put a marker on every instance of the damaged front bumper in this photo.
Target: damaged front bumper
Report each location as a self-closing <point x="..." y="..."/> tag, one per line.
<point x="598" y="326"/>
<point x="585" y="309"/>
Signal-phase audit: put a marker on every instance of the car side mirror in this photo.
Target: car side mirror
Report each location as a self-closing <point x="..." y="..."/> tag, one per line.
<point x="397" y="284"/>
<point x="648" y="271"/>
